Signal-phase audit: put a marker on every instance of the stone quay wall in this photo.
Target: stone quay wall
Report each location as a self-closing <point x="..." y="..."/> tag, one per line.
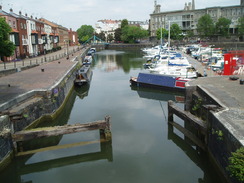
<point x="25" y="111"/>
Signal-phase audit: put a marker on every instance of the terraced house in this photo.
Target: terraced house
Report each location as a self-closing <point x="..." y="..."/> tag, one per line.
<point x="33" y="37"/>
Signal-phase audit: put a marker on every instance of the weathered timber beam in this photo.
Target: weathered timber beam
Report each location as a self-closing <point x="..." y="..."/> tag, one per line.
<point x="185" y="115"/>
<point x="60" y="130"/>
<point x="189" y="135"/>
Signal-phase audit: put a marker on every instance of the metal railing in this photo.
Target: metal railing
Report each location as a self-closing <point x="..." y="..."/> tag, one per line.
<point x="18" y="64"/>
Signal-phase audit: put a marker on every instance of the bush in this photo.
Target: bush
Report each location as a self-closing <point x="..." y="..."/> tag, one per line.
<point x="236" y="164"/>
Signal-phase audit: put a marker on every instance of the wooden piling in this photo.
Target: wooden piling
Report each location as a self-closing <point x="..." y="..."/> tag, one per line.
<point x="61" y="130"/>
<point x="185" y="115"/>
<point x="198" y="124"/>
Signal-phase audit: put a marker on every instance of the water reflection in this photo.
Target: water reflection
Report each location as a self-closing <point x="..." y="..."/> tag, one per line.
<point x="143" y="148"/>
<point x="160" y="95"/>
<point x="196" y="154"/>
<point x="83" y="91"/>
<point x="111" y="60"/>
<point x="104" y="153"/>
<point x="23" y="165"/>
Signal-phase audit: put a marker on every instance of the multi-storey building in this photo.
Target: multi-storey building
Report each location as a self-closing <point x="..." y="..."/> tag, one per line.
<point x="188" y="17"/>
<point x="109" y="26"/>
<point x="14" y="34"/>
<point x="23" y="35"/>
<point x="73" y="38"/>
<point x="52" y="34"/>
<point x="33" y="36"/>
<point x="142" y="24"/>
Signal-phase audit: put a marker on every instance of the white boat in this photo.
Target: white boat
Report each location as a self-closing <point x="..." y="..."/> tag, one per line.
<point x="155" y="50"/>
<point x="87" y="60"/>
<point x="177" y="71"/>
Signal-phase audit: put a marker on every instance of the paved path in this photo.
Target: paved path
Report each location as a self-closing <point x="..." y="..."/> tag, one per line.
<point x="21" y="82"/>
<point x="39" y="59"/>
<point x="199" y="66"/>
<point x="229" y="94"/>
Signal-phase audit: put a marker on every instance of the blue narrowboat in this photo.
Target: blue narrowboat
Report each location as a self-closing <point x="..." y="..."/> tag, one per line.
<point x="159" y="81"/>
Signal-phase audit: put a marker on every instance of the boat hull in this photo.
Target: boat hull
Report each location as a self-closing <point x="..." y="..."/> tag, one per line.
<point x="159" y="81"/>
<point x="83" y="76"/>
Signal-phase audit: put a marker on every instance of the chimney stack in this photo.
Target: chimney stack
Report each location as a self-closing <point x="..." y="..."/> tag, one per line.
<point x="19" y="12"/>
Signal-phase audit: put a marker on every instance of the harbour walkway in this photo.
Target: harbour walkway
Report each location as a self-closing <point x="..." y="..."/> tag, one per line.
<point x="40" y="77"/>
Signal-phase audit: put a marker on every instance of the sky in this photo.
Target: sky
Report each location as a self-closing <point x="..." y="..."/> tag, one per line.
<point x="74" y="13"/>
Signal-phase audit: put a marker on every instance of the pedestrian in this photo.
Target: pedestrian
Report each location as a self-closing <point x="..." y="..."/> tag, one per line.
<point x="205" y="73"/>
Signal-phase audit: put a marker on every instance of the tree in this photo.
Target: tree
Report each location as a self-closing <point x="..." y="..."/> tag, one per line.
<point x="6" y="46"/>
<point x="102" y="36"/>
<point x="175" y="32"/>
<point x="205" y="26"/>
<point x="240" y="26"/>
<point x="189" y="34"/>
<point x="85" y="32"/>
<point x="131" y="34"/>
<point x="124" y="23"/>
<point x="222" y="26"/>
<point x="164" y="33"/>
<point x="110" y="38"/>
<point x="117" y="34"/>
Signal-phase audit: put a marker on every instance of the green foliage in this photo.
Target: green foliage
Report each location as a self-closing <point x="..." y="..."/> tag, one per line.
<point x="85" y="32"/>
<point x="164" y="33"/>
<point x="6" y="46"/>
<point x="84" y="38"/>
<point x="236" y="164"/>
<point x="241" y="26"/>
<point x="124" y="23"/>
<point x="205" y="26"/>
<point x="117" y="34"/>
<point x="197" y="105"/>
<point x="222" y="26"/>
<point x="189" y="33"/>
<point x="110" y="38"/>
<point x="219" y="133"/>
<point x="132" y="33"/>
<point x="101" y="35"/>
<point x="175" y="32"/>
<point x="25" y="115"/>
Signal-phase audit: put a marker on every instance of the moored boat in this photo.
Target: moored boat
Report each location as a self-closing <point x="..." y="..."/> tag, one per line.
<point x="159" y="81"/>
<point x="87" y="60"/>
<point x="83" y="75"/>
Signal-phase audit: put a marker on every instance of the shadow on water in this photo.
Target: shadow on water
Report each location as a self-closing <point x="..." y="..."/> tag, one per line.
<point x="20" y="167"/>
<point x="143" y="149"/>
<point x="160" y="95"/>
<point x="196" y="154"/>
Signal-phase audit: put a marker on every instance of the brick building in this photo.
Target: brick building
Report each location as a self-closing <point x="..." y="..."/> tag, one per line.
<point x="32" y="36"/>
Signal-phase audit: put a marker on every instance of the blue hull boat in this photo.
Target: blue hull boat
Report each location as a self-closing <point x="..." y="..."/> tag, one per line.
<point x="159" y="81"/>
